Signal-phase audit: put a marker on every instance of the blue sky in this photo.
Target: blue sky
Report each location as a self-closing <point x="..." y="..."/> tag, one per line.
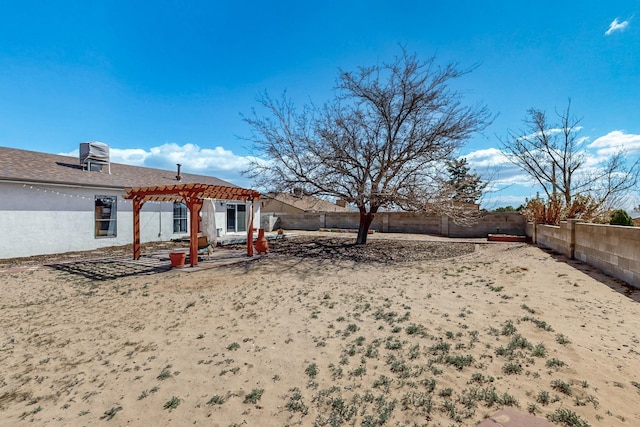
<point x="165" y="82"/>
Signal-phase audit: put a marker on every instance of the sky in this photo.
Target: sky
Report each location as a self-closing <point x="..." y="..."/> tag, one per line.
<point x="165" y="82"/>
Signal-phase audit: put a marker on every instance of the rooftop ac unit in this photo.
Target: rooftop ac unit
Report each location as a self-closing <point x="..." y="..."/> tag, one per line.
<point x="93" y="155"/>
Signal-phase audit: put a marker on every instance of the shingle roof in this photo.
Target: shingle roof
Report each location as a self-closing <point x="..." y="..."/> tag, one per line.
<point x="30" y="166"/>
<point x="306" y="203"/>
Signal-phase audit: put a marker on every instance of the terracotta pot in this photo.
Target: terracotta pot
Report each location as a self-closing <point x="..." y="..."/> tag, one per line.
<point x="262" y="246"/>
<point x="177" y="259"/>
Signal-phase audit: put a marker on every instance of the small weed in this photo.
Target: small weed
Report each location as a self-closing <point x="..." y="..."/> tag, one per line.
<point x="382" y="382"/>
<point x="554" y="363"/>
<point x="446" y="392"/>
<point x="459" y="361"/>
<point x="295" y="403"/>
<point x="508" y="328"/>
<point x="412" y="329"/>
<point x="359" y="371"/>
<point x="561" y="339"/>
<point x="442" y="347"/>
<point x="393" y="345"/>
<point x="562" y="387"/>
<point x="110" y="413"/>
<point x="508" y="400"/>
<point x="539" y="351"/>
<point x="233" y="346"/>
<point x="527" y="308"/>
<point x="539" y="323"/>
<point x="312" y="370"/>
<point x="172" y="403"/>
<point x="216" y="400"/>
<point x="543" y="397"/>
<point x="636" y="384"/>
<point x="512" y="369"/>
<point x="166" y="373"/>
<point x="567" y="418"/>
<point x="351" y="328"/>
<point x="254" y="396"/>
<point x="519" y="342"/>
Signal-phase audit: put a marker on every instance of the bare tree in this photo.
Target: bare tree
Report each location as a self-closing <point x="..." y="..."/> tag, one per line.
<point x="553" y="154"/>
<point x="382" y="142"/>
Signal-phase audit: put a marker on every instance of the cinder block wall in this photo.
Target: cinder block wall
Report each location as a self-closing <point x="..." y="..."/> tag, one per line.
<point x="554" y="237"/>
<point x="491" y="223"/>
<point x="613" y="249"/>
<point x="406" y="222"/>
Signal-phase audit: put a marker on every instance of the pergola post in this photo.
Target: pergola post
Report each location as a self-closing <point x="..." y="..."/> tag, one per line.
<point x="250" y="232"/>
<point x="137" y="205"/>
<point x="195" y="206"/>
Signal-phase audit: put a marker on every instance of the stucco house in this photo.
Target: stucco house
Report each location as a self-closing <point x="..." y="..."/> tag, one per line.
<point x="54" y="204"/>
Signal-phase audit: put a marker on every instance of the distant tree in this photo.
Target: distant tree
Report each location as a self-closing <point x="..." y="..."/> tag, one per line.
<point x="382" y="142"/>
<point x="467" y="187"/>
<point x="620" y="217"/>
<point x="505" y="209"/>
<point x="553" y="155"/>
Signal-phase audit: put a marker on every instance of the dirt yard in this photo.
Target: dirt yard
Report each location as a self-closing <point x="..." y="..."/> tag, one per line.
<point x="402" y="332"/>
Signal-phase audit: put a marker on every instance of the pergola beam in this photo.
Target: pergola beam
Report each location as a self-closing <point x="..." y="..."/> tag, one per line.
<point x="192" y="195"/>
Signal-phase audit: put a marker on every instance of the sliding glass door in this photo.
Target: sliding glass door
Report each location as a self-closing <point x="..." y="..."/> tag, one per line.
<point x="236" y="218"/>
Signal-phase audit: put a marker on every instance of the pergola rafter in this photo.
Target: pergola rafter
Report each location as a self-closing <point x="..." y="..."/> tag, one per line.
<point x="193" y="196"/>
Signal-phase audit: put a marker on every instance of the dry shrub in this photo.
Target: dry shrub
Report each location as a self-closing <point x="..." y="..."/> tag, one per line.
<point x="583" y="207"/>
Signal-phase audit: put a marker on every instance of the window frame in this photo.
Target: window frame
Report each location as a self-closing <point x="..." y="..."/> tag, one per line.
<point x="181" y="218"/>
<point x="105" y="212"/>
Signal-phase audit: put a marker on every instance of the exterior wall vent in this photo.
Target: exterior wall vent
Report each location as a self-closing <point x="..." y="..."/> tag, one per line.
<point x="93" y="155"/>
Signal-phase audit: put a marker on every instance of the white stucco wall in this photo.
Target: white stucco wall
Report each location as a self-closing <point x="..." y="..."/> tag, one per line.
<point x="41" y="219"/>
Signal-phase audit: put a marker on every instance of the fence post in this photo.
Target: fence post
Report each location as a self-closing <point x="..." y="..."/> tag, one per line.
<point x="444" y="225"/>
<point x="571" y="224"/>
<point x="385" y="222"/>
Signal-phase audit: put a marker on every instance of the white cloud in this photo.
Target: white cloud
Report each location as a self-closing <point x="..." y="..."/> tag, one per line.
<point x="616" y="26"/>
<point x="493" y="166"/>
<point x="129" y="156"/>
<point x="195" y="159"/>
<point x="615" y="141"/>
<point x="218" y="161"/>
<point x="486" y="158"/>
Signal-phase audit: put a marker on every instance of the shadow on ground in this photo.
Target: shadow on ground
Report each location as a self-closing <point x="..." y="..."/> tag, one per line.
<point x="110" y="269"/>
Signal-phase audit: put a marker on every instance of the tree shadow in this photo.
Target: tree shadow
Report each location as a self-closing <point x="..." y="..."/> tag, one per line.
<point x="617" y="285"/>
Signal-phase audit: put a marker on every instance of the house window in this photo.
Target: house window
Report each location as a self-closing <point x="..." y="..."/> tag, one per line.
<point x="236" y="218"/>
<point x="106" y="214"/>
<point x="179" y="217"/>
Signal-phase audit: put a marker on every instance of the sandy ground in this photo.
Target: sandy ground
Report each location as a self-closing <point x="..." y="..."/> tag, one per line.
<point x="309" y="341"/>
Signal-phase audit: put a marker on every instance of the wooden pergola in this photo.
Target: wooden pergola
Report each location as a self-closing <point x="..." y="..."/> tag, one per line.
<point x="193" y="196"/>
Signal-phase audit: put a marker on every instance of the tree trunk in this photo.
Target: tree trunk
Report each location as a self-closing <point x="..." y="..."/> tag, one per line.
<point x="366" y="219"/>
